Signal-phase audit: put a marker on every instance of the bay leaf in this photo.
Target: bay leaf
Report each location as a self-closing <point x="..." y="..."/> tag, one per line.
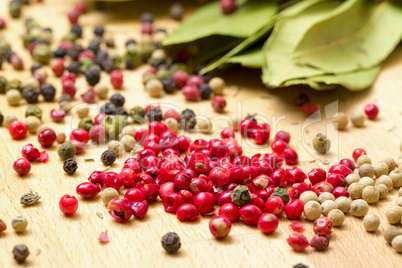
<point x="208" y="20"/>
<point x="361" y="34"/>
<point x="289" y="29"/>
<point x="250" y="59"/>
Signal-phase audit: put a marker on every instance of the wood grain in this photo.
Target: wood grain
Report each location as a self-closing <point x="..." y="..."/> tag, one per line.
<point x="72" y="241"/>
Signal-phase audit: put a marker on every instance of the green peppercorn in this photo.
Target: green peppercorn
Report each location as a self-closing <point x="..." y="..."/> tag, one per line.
<point x="3" y="85"/>
<point x="321" y="143"/>
<point x="15" y="9"/>
<point x="137" y="113"/>
<point x="72" y="37"/>
<point x="282" y="193"/>
<point x="4" y="47"/>
<point x="163" y="73"/>
<point x="171" y="242"/>
<point x="178" y="67"/>
<point x="241" y="195"/>
<point x="42" y="53"/>
<point x="85" y="64"/>
<point x="31" y="24"/>
<point x="113" y="125"/>
<point x="146" y="51"/>
<point x="28" y="39"/>
<point x="34" y="110"/>
<point x="67" y="150"/>
<point x="15" y="84"/>
<point x="86" y="123"/>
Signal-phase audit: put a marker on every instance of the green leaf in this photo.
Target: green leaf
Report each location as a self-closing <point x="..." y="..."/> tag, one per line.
<point x="214" y="46"/>
<point x="208" y="20"/>
<point x="250" y="59"/>
<point x="361" y="34"/>
<point x="289" y="30"/>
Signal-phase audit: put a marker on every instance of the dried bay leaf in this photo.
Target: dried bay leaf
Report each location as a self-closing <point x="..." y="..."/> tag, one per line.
<point x="361" y="34"/>
<point x="250" y="59"/>
<point x="208" y="20"/>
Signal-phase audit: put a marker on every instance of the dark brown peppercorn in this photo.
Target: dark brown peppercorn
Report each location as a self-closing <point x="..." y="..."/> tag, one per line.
<point x="171" y="242"/>
<point x="205" y="91"/>
<point x="110" y="43"/>
<point x="176" y="11"/>
<point x="77" y="29"/>
<point x="60" y="53"/>
<point x="108" y="157"/>
<point x="92" y="76"/>
<point x="300" y="265"/>
<point x="74" y="67"/>
<point x="48" y="92"/>
<point x="118" y="100"/>
<point x="252" y="117"/>
<point x="64" y="97"/>
<point x="187" y="119"/>
<point x="75" y="51"/>
<point x="94" y="45"/>
<point x="35" y="66"/>
<point x="154" y="114"/>
<point x="147" y="17"/>
<point x="30" y="94"/>
<point x="20" y="253"/>
<point x="108" y="65"/>
<point x="120" y="111"/>
<point x="108" y="108"/>
<point x="1" y="61"/>
<point x="70" y="166"/>
<point x="130" y="42"/>
<point x="101" y="55"/>
<point x="169" y="85"/>
<point x="99" y="30"/>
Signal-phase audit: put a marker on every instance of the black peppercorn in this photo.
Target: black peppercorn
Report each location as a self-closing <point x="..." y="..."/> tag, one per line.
<point x="92" y="76"/>
<point x="169" y="85"/>
<point x="130" y="42"/>
<point x="108" y="65"/>
<point x="48" y="92"/>
<point x="108" y="157"/>
<point x="187" y="119"/>
<point x="301" y="99"/>
<point x="94" y="45"/>
<point x="156" y="62"/>
<point x="154" y="114"/>
<point x="147" y="17"/>
<point x="1" y="61"/>
<point x="74" y="67"/>
<point x="64" y="97"/>
<point x="60" y="53"/>
<point x="1" y="119"/>
<point x="74" y="51"/>
<point x="171" y="242"/>
<point x="70" y="166"/>
<point x="120" y="111"/>
<point x="99" y="30"/>
<point x="300" y="265"/>
<point x="176" y="11"/>
<point x="108" y="108"/>
<point x="35" y="66"/>
<point x="30" y="94"/>
<point x="206" y="78"/>
<point x="77" y="29"/>
<point x="252" y="117"/>
<point x="118" y="100"/>
<point x="128" y="64"/>
<point x="101" y="55"/>
<point x="20" y="253"/>
<point x="205" y="91"/>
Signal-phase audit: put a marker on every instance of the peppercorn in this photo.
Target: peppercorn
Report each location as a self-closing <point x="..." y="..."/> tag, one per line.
<point x="370" y="194"/>
<point x="351" y="178"/>
<point x="94" y="45"/>
<point x="394" y="214"/>
<point x="327" y="206"/>
<point x="146" y="17"/>
<point x="205" y="91"/>
<point x="86" y="123"/>
<point x="382" y="190"/>
<point x="20" y="253"/>
<point x="371" y="222"/>
<point x="172" y="124"/>
<point x="117" y="99"/>
<point x="343" y="203"/>
<point x="241" y="195"/>
<point x="336" y="216"/>
<point x="1" y="118"/>
<point x="108" y="108"/>
<point x="42" y="53"/>
<point x="217" y="85"/>
<point x="391" y="232"/>
<point x="64" y="98"/>
<point x="300" y="265"/>
<point x="325" y="196"/>
<point x="74" y="67"/>
<point x="176" y="11"/>
<point x="154" y="114"/>
<point x="13" y="97"/>
<point x="307" y="196"/>
<point x="67" y="150"/>
<point x="3" y="226"/>
<point x="363" y="159"/>
<point x="358" y="118"/>
<point x="108" y="157"/>
<point x="366" y="170"/>
<point x="33" y="123"/>
<point x="312" y="210"/>
<point x="154" y="87"/>
<point x="282" y="193"/>
<point x="321" y="143"/>
<point x="34" y="110"/>
<point x="30" y="94"/>
<point x="75" y="50"/>
<point x="77" y="29"/>
<point x="31" y="82"/>
<point x="114" y="125"/>
<point x="397" y="243"/>
<point x="137" y="113"/>
<point x="3" y="85"/>
<point x="359" y="208"/>
<point x="70" y="166"/>
<point x="61" y="137"/>
<point x="9" y="118"/>
<point x="92" y="76"/>
<point x="66" y="106"/>
<point x="15" y="9"/>
<point x="19" y="224"/>
<point x="101" y="90"/>
<point x="171" y="242"/>
<point x="48" y="92"/>
<point x="187" y="119"/>
<point x="120" y="111"/>
<point x="99" y="30"/>
<point x="15" y="84"/>
<point x="116" y="147"/>
<point x="109" y="194"/>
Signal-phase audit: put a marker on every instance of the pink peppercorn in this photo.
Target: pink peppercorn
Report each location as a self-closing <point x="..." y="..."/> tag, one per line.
<point x="278" y="146"/>
<point x="323" y="225"/>
<point x="171" y="113"/>
<point x="98" y="118"/>
<point x="17" y="62"/>
<point x="80" y="135"/>
<point x="79" y="146"/>
<point x="140" y="135"/>
<point x="111" y="179"/>
<point x="320" y="241"/>
<point x="298" y="189"/>
<point x="2" y="23"/>
<point x="317" y="175"/>
<point x="294" y="209"/>
<point x="220" y="176"/>
<point x="340" y="169"/>
<point x="96" y="177"/>
<point x="371" y="111"/>
<point x="88" y="190"/>
<point x="57" y="66"/>
<point x="218" y="103"/>
<point x="357" y="153"/>
<point x="116" y="79"/>
<point x="180" y="78"/>
<point x="227" y="133"/>
<point x="268" y="223"/>
<point x="187" y="212"/>
<point x="191" y="93"/>
<point x="73" y="16"/>
<point x="47" y="137"/>
<point x="321" y="187"/>
<point x="146" y="28"/>
<point x="340" y="191"/>
<point x="80" y="7"/>
<point x="120" y="209"/>
<point x="134" y="195"/>
<point x="283" y="135"/>
<point x="140" y="209"/>
<point x="228" y="6"/>
<point x="204" y="202"/>
<point x="97" y="133"/>
<point x="348" y="162"/>
<point x="291" y="156"/>
<point x="195" y="80"/>
<point x="89" y="96"/>
<point x="260" y="133"/>
<point x="336" y="180"/>
<point x="150" y="192"/>
<point x="250" y="214"/>
<point x="275" y="205"/>
<point x="311" y="108"/>
<point x="245" y="127"/>
<point x="57" y="115"/>
<point x="30" y="152"/>
<point x="17" y="130"/>
<point x="86" y="54"/>
<point x="41" y="77"/>
<point x="69" y="87"/>
<point x="22" y="166"/>
<point x="220" y="227"/>
<point x="297" y="242"/>
<point x="68" y="204"/>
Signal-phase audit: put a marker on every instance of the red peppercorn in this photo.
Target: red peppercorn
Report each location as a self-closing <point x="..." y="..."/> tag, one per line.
<point x="172" y="202"/>
<point x="57" y="115"/>
<point x="317" y="175"/>
<point x="47" y="137"/>
<point x="250" y="214"/>
<point x="321" y="187"/>
<point x="180" y="78"/>
<point x="348" y="162"/>
<point x="187" y="212"/>
<point x="291" y="156"/>
<point x="294" y="209"/>
<point x="17" y="62"/>
<point x="336" y="180"/>
<point x="69" y="87"/>
<point x="134" y="195"/>
<point x="2" y="23"/>
<point x="320" y="241"/>
<point x="357" y="153"/>
<point x="88" y="190"/>
<point x="283" y="135"/>
<point x="227" y="133"/>
<point x="79" y="146"/>
<point x="96" y="177"/>
<point x="230" y="211"/>
<point x="268" y="223"/>
<point x="147" y="28"/>
<point x="80" y="135"/>
<point x="298" y="189"/>
<point x="371" y="111"/>
<point x="112" y="180"/>
<point x="340" y="191"/>
<point x="245" y="127"/>
<point x="218" y="103"/>
<point x="275" y="205"/>
<point x="195" y="81"/>
<point x="116" y="79"/>
<point x="97" y="133"/>
<point x="89" y="96"/>
<point x="296" y="226"/>
<point x="311" y="108"/>
<point x="228" y="6"/>
<point x="57" y="66"/>
<point x="17" y="130"/>
<point x="80" y="7"/>
<point x="323" y="225"/>
<point x="120" y="209"/>
<point x="171" y="113"/>
<point x="219" y="227"/>
<point x="260" y="133"/>
<point x="30" y="152"/>
<point x="139" y="209"/>
<point x="191" y="93"/>
<point x="140" y="135"/>
<point x="294" y="175"/>
<point x="151" y="192"/>
<point x="275" y="160"/>
<point x="340" y="169"/>
<point x="220" y="176"/>
<point x="73" y="16"/>
<point x="99" y="117"/>
<point x="188" y="196"/>
<point x="68" y="204"/>
<point x="86" y="54"/>
<point x="22" y="166"/>
<point x="204" y="202"/>
<point x="297" y="242"/>
<point x="278" y="146"/>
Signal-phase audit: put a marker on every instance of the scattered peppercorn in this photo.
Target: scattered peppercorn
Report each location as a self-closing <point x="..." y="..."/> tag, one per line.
<point x="29" y="199"/>
<point x="205" y="91"/>
<point x="176" y="11"/>
<point x="70" y="166"/>
<point x="358" y="118"/>
<point x="86" y="123"/>
<point x="13" y="97"/>
<point x="117" y="99"/>
<point x="321" y="143"/>
<point x="20" y="253"/>
<point x="19" y="224"/>
<point x="187" y="119"/>
<point x="67" y="150"/>
<point x="109" y="194"/>
<point x="34" y="110"/>
<point x="171" y="242"/>
<point x="92" y="76"/>
<point x="108" y="157"/>
<point x="282" y="193"/>
<point x="99" y="30"/>
<point x="241" y="195"/>
<point x="61" y="137"/>
<point x="30" y="94"/>
<point x="74" y="67"/>
<point x="154" y="114"/>
<point x="48" y="92"/>
<point x="3" y="226"/>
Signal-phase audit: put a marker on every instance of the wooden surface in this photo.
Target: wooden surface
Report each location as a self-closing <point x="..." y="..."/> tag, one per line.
<point x="72" y="241"/>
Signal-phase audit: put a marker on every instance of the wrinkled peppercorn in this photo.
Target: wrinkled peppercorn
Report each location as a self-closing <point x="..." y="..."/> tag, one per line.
<point x="171" y="242"/>
<point x="77" y="29"/>
<point x="108" y="157"/>
<point x="20" y="253"/>
<point x="34" y="110"/>
<point x="74" y="67"/>
<point x="108" y="65"/>
<point x="35" y="66"/>
<point x="108" y="108"/>
<point x="86" y="123"/>
<point x="70" y="166"/>
<point x="205" y="91"/>
<point x="3" y="84"/>
<point x="120" y="111"/>
<point x="15" y="84"/>
<point x="30" y="94"/>
<point x="64" y="97"/>
<point x="187" y="119"/>
<point x="301" y="99"/>
<point x="60" y="53"/>
<point x="321" y="143"/>
<point x="109" y="42"/>
<point x="154" y="114"/>
<point x="75" y="51"/>
<point x="300" y="265"/>
<point x="282" y="193"/>
<point x="101" y="55"/>
<point x="206" y="78"/>
<point x="99" y="30"/>
<point x="252" y="117"/>
<point x="48" y="92"/>
<point x="169" y="85"/>
<point x="118" y="100"/>
<point x="137" y="113"/>
<point x="92" y="76"/>
<point x="241" y="195"/>
<point x="94" y="45"/>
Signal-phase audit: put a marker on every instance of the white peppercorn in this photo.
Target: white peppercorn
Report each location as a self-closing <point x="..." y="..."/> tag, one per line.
<point x="116" y="147"/>
<point x="33" y="123"/>
<point x="19" y="224"/>
<point x="380" y="169"/>
<point x="397" y="243"/>
<point x="370" y="194"/>
<point x="386" y="180"/>
<point x="325" y="196"/>
<point x="31" y="82"/>
<point x="371" y="222"/>
<point x="382" y="190"/>
<point x="327" y="206"/>
<point x="66" y="106"/>
<point x="358" y="118"/>
<point x="308" y="196"/>
<point x="83" y="112"/>
<point x="394" y="214"/>
<point x="359" y="208"/>
<point x="400" y="192"/>
<point x="101" y="90"/>
<point x="352" y="178"/>
<point x="341" y="121"/>
<point x="217" y="85"/>
<point x="355" y="190"/>
<point x="172" y="124"/>
<point x="154" y="87"/>
<point x="204" y="125"/>
<point x="8" y="119"/>
<point x="312" y="210"/>
<point x="343" y="203"/>
<point x="398" y="201"/>
<point x="366" y="170"/>
<point x="391" y="232"/>
<point x="366" y="181"/>
<point x="337" y="217"/>
<point x="363" y="159"/>
<point x="390" y="162"/>
<point x="128" y="130"/>
<point x="109" y="194"/>
<point x="13" y="97"/>
<point x="128" y="142"/>
<point x="396" y="177"/>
